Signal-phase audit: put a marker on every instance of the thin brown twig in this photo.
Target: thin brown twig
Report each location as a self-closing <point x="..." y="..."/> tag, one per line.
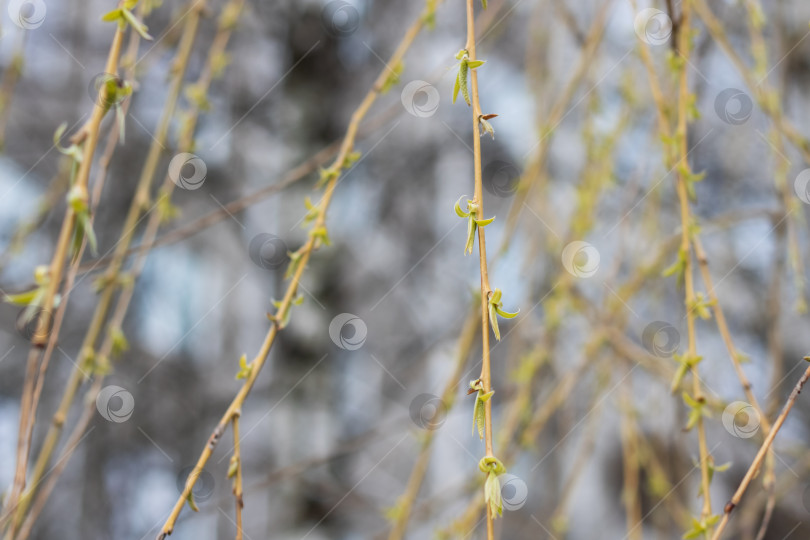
<point x="753" y="469"/>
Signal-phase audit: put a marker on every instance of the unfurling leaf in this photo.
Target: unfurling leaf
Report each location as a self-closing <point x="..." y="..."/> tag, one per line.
<point x="493" y="468"/>
<point x="295" y="261"/>
<point x="479" y="413"/>
<point x="321" y="236"/>
<point x="245" y="369"/>
<point x="492" y="494"/>
<point x="496" y="310"/>
<point x="459" y="211"/>
<point x="22" y="299"/>
<point x="486" y="127"/>
<point x="191" y="503"/>
<point x="326" y="175"/>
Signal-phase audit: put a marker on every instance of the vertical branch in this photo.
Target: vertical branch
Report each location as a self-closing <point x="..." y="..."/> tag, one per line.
<point x="631" y="497"/>
<point x="89" y="136"/>
<point x="87" y="352"/>
<point x="684" y="49"/>
<point x="478" y="206"/>
<point x="236" y="472"/>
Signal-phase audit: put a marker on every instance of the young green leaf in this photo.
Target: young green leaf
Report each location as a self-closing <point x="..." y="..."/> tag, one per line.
<point x="245" y="369"/>
<point x="191" y="503"/>
<point x="496" y="309"/>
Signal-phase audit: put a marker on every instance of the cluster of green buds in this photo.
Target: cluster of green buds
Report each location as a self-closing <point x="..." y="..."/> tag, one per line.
<point x="472" y="215"/>
<point x="392" y="80"/>
<point x="697" y="410"/>
<point x="685" y="363"/>
<point x="282" y="318"/>
<point x="700" y="305"/>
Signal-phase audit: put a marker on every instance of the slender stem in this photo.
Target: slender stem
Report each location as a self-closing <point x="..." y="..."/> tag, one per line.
<point x="763" y="450"/>
<point x="56" y="472"/>
<point x="631" y="465"/>
<point x="684" y="49"/>
<point x="237" y="482"/>
<point x="405" y="502"/>
<point x="186" y="142"/>
<point x="42" y="333"/>
<point x="305" y="253"/>
<point x="478" y="200"/>
<point x="761" y="92"/>
<point x="136" y="208"/>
